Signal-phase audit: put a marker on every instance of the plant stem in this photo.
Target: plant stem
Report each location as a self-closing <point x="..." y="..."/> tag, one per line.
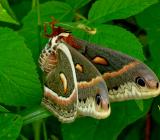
<point x="80" y="16"/>
<point x="33" y="3"/>
<point x="23" y="137"/>
<point x="34" y="114"/>
<point x="44" y="130"/>
<point x="38" y="13"/>
<point x="39" y="26"/>
<point x="148" y="127"/>
<point x="37" y="129"/>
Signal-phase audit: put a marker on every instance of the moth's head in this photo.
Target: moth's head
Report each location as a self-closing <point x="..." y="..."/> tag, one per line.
<point x="95" y="105"/>
<point x="146" y="81"/>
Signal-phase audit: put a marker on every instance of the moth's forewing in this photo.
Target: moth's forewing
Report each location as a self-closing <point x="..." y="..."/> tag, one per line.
<point x="60" y="91"/>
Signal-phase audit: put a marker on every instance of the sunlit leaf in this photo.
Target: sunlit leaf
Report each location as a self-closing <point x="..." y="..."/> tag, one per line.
<point x="106" y="10"/>
<point x="19" y="83"/>
<point x="6" y="15"/>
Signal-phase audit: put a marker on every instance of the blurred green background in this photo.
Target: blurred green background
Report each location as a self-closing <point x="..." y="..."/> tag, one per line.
<point x="132" y="27"/>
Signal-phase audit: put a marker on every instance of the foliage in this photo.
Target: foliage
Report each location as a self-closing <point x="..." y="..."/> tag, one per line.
<point x="128" y="26"/>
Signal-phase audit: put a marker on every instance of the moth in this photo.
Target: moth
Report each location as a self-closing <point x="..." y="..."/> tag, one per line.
<point x="81" y="78"/>
<point x="71" y="89"/>
<point x="126" y="77"/>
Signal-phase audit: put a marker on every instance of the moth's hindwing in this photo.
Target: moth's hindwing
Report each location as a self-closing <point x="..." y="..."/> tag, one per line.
<point x="60" y="90"/>
<point x="93" y="98"/>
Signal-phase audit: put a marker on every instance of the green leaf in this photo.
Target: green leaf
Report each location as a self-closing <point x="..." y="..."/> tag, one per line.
<point x="149" y="18"/>
<point x="154" y="51"/>
<point x="18" y="5"/>
<point x="150" y="21"/>
<point x="156" y="110"/>
<point x="116" y="38"/>
<point x="133" y="131"/>
<point x="19" y="83"/>
<point x="106" y="10"/>
<point x="110" y="128"/>
<point x="10" y="126"/>
<point x="77" y="3"/>
<point x="155" y="135"/>
<point x="140" y="104"/>
<point x="30" y="30"/>
<point x="6" y="14"/>
<point x="3" y="109"/>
